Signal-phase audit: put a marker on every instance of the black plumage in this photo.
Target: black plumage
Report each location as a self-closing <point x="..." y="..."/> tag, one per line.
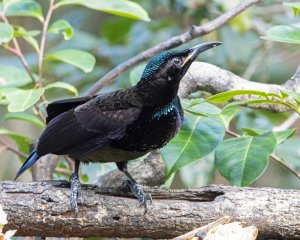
<point x="120" y="125"/>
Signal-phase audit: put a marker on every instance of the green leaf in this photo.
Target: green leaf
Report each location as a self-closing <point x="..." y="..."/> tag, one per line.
<point x="33" y="42"/>
<point x="293" y="5"/>
<point x="7" y="3"/>
<point x="81" y="59"/>
<point x="21" y="140"/>
<point x="28" y="36"/>
<point x="289" y="153"/>
<point x="62" y="26"/>
<point x="22" y="32"/>
<point x="198" y="137"/>
<point x="199" y="107"/>
<point x="243" y="160"/>
<point x="282" y="33"/>
<point x="284" y="94"/>
<point x="6" y="32"/>
<point x="25" y="8"/>
<point x="253" y="131"/>
<point x="24" y="117"/>
<point x="63" y="85"/>
<point x="226" y="96"/>
<point x="122" y="8"/>
<point x="294" y="95"/>
<point x="20" y="100"/>
<point x="228" y="113"/>
<point x="281" y="136"/>
<point x="11" y="76"/>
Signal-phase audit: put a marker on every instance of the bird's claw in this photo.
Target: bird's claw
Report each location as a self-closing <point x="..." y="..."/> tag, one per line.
<point x="76" y="195"/>
<point x="138" y="191"/>
<point x="200" y="235"/>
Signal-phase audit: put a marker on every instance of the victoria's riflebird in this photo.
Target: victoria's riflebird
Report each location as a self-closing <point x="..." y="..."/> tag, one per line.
<point x="122" y="125"/>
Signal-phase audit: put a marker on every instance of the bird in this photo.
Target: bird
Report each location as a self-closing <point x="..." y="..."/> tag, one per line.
<point x="119" y="126"/>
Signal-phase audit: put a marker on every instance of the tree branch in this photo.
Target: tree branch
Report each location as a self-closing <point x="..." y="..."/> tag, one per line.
<point x="194" y="32"/>
<point x="43" y="209"/>
<point x="12" y="149"/>
<point x="207" y="77"/>
<point x="43" y="41"/>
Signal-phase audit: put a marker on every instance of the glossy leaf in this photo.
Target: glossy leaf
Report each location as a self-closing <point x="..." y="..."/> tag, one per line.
<point x="198" y="137"/>
<point x="23" y="116"/>
<point x="243" y="160"/>
<point x="25" y="8"/>
<point x="81" y="59"/>
<point x="282" y="33"/>
<point x="21" y="140"/>
<point x="63" y="85"/>
<point x="200" y="106"/>
<point x="122" y="8"/>
<point x="281" y="136"/>
<point x="6" y="32"/>
<point x="20" y="100"/>
<point x="226" y="96"/>
<point x="62" y="26"/>
<point x="11" y="76"/>
<point x="253" y="131"/>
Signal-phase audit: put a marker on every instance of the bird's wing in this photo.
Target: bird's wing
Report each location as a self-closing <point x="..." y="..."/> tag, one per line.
<point x="56" y="108"/>
<point x="83" y="129"/>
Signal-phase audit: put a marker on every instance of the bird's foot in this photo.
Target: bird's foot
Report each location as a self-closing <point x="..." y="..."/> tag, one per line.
<point x="138" y="191"/>
<point x="76" y="195"/>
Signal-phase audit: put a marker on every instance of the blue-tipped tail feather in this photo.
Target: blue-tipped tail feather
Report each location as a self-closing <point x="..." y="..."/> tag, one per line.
<point x="33" y="157"/>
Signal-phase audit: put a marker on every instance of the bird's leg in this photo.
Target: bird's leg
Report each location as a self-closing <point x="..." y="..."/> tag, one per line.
<point x="76" y="195"/>
<point x="138" y="191"/>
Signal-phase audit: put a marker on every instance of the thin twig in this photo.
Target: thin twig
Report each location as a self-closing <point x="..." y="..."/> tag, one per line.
<point x="20" y="154"/>
<point x="63" y="171"/>
<point x="195" y="31"/>
<point x="283" y="164"/>
<point x="234" y="134"/>
<point x="38" y="113"/>
<point x="70" y="162"/>
<point x="43" y="41"/>
<point x="272" y="156"/>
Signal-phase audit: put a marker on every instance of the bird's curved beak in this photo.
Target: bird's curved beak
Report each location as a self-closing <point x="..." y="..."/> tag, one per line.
<point x="195" y="51"/>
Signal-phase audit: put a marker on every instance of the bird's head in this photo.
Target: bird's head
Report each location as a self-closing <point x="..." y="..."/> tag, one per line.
<point x="160" y="80"/>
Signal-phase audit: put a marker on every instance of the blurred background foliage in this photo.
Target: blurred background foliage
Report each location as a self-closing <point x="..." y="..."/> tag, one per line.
<point x="113" y="39"/>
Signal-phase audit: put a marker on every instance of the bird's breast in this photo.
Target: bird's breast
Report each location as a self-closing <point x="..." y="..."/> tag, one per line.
<point x="154" y="128"/>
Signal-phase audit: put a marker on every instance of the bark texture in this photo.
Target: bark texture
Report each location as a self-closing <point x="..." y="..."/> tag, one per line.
<point x="43" y="209"/>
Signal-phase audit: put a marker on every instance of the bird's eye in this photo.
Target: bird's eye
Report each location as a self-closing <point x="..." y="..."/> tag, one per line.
<point x="177" y="61"/>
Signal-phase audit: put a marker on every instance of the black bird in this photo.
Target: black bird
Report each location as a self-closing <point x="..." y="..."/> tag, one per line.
<point x="119" y="126"/>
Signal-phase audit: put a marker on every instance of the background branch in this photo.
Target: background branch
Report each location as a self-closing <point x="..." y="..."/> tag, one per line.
<point x="194" y="32"/>
<point x="43" y="209"/>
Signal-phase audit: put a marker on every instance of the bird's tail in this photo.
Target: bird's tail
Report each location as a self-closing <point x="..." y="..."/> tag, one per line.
<point x="33" y="157"/>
